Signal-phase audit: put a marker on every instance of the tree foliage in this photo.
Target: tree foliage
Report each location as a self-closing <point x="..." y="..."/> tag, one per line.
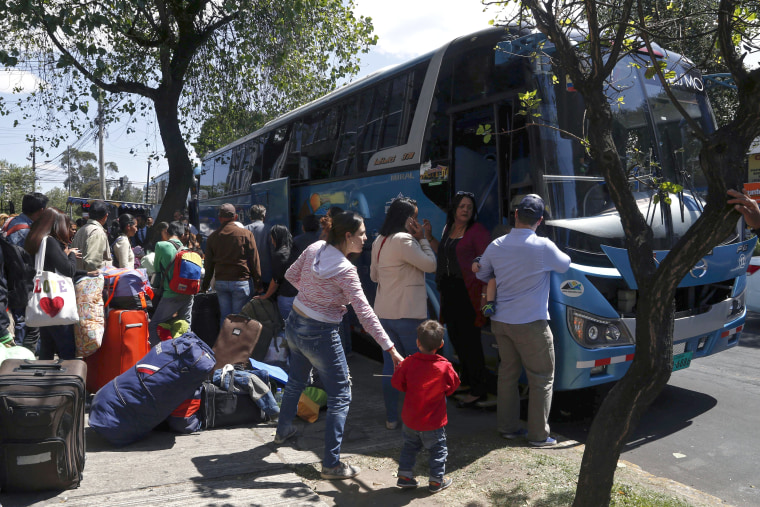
<point x="588" y="39"/>
<point x="125" y="191"/>
<point x="57" y="198"/>
<point x="15" y="181"/>
<point x="83" y="173"/>
<point x="180" y="59"/>
<point x="226" y="126"/>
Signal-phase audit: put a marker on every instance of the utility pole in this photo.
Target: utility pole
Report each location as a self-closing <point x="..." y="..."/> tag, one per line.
<point x="68" y="166"/>
<point x="147" y="183"/>
<point x="101" y="162"/>
<point x="34" y="166"/>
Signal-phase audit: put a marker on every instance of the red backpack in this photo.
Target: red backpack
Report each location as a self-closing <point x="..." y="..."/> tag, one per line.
<point x="186" y="273"/>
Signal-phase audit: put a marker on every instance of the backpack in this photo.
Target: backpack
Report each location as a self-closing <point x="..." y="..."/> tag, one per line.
<point x="19" y="271"/>
<point x="186" y="273"/>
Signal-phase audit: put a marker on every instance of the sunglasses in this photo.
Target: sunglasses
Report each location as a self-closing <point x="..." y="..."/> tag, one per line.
<point x="466" y="194"/>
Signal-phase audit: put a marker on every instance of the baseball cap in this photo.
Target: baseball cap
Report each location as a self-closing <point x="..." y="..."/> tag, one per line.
<point x="531" y="206"/>
<point x="227" y="210"/>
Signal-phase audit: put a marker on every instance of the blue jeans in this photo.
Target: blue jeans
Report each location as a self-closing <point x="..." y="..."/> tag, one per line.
<point x="285" y="304"/>
<point x="57" y="340"/>
<point x="434" y="441"/>
<point x="317" y="344"/>
<point x="403" y="332"/>
<point x="233" y="295"/>
<point x="29" y="337"/>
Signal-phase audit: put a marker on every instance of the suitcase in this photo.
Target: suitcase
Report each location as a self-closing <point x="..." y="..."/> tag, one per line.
<point x="131" y="405"/>
<point x="221" y="408"/>
<point x="264" y="311"/>
<point x="125" y="342"/>
<point x="41" y="424"/>
<point x="236" y="341"/>
<point x="206" y="317"/>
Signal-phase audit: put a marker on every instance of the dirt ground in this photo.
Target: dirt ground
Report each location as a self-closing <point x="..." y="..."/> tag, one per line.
<point x="488" y="470"/>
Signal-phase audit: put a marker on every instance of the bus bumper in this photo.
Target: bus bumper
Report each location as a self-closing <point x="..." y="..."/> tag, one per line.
<point x="581" y="367"/>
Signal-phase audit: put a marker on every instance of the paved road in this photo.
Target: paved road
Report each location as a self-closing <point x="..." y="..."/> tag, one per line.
<point x="704" y="429"/>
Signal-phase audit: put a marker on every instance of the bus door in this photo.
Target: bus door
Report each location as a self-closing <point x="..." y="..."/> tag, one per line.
<point x="481" y="154"/>
<point x="274" y="195"/>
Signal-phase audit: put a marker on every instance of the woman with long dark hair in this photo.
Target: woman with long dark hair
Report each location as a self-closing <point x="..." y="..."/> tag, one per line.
<point x="400" y="258"/>
<point x="463" y="240"/>
<point x="326" y="282"/>
<point x="282" y="255"/>
<point x="53" y="227"/>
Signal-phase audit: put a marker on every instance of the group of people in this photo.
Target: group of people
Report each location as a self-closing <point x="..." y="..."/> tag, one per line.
<point x="313" y="280"/>
<point x="508" y="278"/>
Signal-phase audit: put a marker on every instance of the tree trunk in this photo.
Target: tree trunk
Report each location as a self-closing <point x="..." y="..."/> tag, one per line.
<point x="180" y="166"/>
<point x="628" y="400"/>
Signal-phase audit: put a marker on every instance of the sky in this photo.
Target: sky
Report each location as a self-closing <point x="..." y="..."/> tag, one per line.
<point x="405" y="29"/>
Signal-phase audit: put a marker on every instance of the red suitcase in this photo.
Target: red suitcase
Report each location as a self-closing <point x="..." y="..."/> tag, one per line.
<point x="125" y="342"/>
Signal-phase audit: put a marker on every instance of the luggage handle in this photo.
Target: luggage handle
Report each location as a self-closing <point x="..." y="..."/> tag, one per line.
<point x="29" y="364"/>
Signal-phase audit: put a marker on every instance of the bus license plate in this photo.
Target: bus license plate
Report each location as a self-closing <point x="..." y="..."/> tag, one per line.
<point x="681" y="361"/>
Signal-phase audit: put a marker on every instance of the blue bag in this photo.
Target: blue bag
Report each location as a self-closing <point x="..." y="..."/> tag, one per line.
<point x="131" y="405"/>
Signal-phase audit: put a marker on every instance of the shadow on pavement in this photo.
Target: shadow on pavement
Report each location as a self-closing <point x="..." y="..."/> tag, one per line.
<point x="673" y="410"/>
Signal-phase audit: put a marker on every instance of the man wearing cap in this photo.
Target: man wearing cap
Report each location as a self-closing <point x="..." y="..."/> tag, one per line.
<point x="232" y="256"/>
<point x="521" y="262"/>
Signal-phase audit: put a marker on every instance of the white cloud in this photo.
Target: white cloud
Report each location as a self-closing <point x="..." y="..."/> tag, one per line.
<point x="408" y="28"/>
<point x="12" y="79"/>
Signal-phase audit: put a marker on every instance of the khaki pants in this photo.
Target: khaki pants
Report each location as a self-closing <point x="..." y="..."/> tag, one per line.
<point x="530" y="346"/>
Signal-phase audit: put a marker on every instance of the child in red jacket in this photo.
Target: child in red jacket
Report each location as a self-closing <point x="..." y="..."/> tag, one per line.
<point x="427" y="379"/>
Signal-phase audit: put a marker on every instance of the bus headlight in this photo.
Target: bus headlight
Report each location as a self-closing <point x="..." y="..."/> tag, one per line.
<point x="592" y="331"/>
<point x="737" y="305"/>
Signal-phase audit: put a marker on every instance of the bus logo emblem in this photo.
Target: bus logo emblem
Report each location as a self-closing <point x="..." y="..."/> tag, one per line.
<point x="572" y="288"/>
<point x="699" y="270"/>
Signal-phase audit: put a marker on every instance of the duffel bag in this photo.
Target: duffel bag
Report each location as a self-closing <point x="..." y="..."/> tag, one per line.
<point x="131" y="405"/>
<point x="237" y="397"/>
<point x="126" y="289"/>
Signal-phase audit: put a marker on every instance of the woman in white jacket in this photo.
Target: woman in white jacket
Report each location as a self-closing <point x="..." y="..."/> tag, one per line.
<point x="400" y="258"/>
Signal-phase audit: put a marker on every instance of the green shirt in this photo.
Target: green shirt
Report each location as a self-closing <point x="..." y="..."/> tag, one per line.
<point x="164" y="263"/>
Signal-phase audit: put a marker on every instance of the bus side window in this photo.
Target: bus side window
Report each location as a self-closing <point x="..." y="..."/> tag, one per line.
<point x="318" y="143"/>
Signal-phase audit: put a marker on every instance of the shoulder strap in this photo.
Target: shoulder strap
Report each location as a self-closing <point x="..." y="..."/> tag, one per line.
<point x="16" y="227"/>
<point x="381" y="248"/>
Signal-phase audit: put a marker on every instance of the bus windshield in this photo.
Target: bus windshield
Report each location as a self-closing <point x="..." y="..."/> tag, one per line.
<point x="655" y="144"/>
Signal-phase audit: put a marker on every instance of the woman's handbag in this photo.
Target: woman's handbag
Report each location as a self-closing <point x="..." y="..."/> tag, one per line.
<point x="53" y="301"/>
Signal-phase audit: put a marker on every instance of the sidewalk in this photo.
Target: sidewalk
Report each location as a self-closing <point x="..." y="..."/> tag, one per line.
<point x="241" y="466"/>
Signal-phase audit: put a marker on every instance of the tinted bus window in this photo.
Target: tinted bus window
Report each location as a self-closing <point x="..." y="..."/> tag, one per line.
<point x="207" y="179"/>
<point x="272" y="152"/>
<point x="221" y="170"/>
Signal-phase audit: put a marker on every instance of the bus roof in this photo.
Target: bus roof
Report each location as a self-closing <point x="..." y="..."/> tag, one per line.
<point x="363" y="82"/>
<point x="122" y="205"/>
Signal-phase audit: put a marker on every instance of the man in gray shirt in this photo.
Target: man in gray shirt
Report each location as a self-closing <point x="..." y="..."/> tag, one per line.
<point x="522" y="262"/>
<point x="92" y="239"/>
<point x="261" y="233"/>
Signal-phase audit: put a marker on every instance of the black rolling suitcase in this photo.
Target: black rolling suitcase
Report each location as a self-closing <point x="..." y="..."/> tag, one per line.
<point x="41" y="424"/>
<point x="206" y="317"/>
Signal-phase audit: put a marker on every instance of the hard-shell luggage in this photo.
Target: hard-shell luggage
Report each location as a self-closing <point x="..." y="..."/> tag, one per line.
<point x="131" y="405"/>
<point x="236" y="341"/>
<point x="265" y="311"/>
<point x="41" y="424"/>
<point x="206" y="317"/>
<point x="125" y="342"/>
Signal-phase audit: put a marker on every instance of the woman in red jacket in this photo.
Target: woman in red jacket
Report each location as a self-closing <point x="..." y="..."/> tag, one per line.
<point x="462" y="241"/>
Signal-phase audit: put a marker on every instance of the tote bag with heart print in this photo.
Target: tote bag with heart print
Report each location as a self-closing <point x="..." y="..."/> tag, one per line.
<point x="53" y="301"/>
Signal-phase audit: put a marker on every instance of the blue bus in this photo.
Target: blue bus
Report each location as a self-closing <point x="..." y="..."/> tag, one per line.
<point x="416" y="130"/>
